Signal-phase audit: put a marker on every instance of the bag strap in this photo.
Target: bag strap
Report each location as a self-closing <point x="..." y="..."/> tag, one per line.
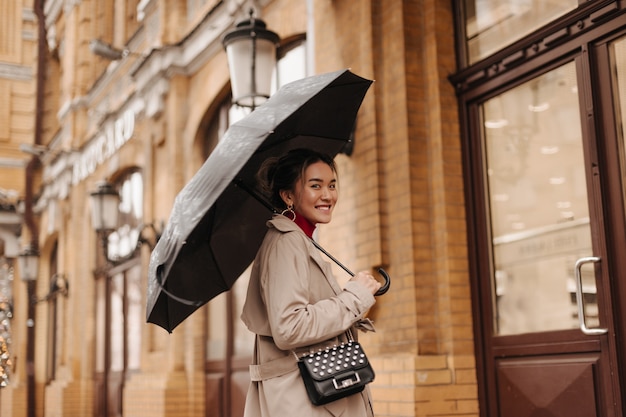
<point x="349" y="335"/>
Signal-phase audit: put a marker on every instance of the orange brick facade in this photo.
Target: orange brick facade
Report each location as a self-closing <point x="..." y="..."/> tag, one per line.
<point x="401" y="204"/>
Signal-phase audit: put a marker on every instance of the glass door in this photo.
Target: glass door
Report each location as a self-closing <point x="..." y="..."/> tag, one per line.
<point x="549" y="340"/>
<point x="538" y="205"/>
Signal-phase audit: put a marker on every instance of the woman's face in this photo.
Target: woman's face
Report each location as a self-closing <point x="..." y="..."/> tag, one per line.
<point x="315" y="194"/>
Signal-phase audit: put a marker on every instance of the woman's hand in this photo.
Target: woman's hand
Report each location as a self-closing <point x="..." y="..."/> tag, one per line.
<point x="368" y="280"/>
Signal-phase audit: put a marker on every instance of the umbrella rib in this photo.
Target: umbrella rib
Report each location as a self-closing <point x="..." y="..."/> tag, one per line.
<point x="239" y="183"/>
<point x="175" y="297"/>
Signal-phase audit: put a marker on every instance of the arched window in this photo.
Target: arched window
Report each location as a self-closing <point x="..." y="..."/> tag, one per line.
<point x="54" y="329"/>
<point x="119" y="312"/>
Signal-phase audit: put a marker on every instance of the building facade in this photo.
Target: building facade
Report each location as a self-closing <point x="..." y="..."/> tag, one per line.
<point x="485" y="177"/>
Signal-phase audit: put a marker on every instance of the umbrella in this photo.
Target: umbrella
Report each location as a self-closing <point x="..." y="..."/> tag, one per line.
<point x="218" y="220"/>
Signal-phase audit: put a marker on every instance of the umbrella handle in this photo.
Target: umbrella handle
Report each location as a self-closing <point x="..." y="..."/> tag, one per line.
<point x="382" y="290"/>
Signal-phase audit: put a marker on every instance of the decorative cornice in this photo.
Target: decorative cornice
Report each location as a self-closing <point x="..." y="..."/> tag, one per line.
<point x="16" y="72"/>
<point x="152" y="72"/>
<point x="12" y="163"/>
<point x="28" y="15"/>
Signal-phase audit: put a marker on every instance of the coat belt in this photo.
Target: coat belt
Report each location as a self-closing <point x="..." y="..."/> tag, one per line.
<point x="273" y="369"/>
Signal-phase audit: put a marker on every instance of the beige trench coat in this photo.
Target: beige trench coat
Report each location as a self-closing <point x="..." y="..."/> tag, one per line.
<point x="294" y="303"/>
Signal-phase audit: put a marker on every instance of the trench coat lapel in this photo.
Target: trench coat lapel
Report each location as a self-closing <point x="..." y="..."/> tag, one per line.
<point x="280" y="222"/>
<point x="314" y="253"/>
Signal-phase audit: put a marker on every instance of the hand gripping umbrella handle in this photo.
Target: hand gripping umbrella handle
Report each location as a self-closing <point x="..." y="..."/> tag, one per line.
<point x="387" y="283"/>
<point x="381" y="271"/>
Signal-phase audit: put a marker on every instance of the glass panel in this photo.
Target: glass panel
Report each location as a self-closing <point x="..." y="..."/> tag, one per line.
<point x="618" y="63"/>
<point x="117" y="323"/>
<point x="244" y="338"/>
<point x="490" y="25"/>
<point x="135" y="317"/>
<point x="100" y="323"/>
<point x="538" y="200"/>
<point x="217" y="331"/>
<point x="55" y="319"/>
<point x="291" y="66"/>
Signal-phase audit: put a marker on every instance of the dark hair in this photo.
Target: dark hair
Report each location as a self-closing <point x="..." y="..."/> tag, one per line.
<point x="282" y="173"/>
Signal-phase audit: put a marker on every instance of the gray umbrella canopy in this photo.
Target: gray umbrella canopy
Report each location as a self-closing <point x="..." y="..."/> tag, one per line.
<point x="217" y="221"/>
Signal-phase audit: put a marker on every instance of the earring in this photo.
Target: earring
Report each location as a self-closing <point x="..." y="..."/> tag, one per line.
<point x="288" y="212"/>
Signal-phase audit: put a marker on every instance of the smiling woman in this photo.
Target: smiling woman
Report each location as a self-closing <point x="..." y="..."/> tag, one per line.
<point x="294" y="303"/>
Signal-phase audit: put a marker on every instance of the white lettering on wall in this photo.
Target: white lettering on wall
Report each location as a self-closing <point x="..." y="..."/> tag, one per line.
<point x="73" y="167"/>
<point x="103" y="146"/>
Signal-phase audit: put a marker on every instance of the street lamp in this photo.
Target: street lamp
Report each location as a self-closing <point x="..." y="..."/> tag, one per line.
<point x="251" y="52"/>
<point x="105" y="202"/>
<point x="28" y="262"/>
<point x="104" y="208"/>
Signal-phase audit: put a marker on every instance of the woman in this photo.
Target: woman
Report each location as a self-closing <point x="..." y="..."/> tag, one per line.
<point x="294" y="303"/>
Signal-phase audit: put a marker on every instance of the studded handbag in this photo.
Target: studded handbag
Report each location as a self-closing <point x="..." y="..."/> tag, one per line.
<point x="335" y="372"/>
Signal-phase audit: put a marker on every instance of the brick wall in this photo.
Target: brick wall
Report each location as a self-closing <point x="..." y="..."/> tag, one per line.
<point x="401" y="200"/>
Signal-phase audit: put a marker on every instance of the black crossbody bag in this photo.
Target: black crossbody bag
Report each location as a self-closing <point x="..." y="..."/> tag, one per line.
<point x="335" y="372"/>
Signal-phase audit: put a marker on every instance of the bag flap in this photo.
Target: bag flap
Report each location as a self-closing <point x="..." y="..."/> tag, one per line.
<point x="334" y="361"/>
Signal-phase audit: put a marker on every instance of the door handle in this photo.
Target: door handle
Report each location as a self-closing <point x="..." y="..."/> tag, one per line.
<point x="579" y="297"/>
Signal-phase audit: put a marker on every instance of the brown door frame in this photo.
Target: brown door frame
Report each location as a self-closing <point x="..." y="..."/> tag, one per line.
<point x="614" y="192"/>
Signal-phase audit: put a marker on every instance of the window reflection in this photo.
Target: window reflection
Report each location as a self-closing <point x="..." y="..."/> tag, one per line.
<point x="244" y="339"/>
<point x="291" y="65"/>
<point x="491" y="25"/>
<point x="117" y="323"/>
<point x="217" y="323"/>
<point x="101" y="325"/>
<point x="134" y="317"/>
<point x="538" y="203"/>
<point x="55" y="318"/>
<point x="535" y="161"/>
<point x="123" y="241"/>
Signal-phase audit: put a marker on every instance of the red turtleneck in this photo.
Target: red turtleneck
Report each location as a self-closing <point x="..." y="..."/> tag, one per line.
<point x="307" y="227"/>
